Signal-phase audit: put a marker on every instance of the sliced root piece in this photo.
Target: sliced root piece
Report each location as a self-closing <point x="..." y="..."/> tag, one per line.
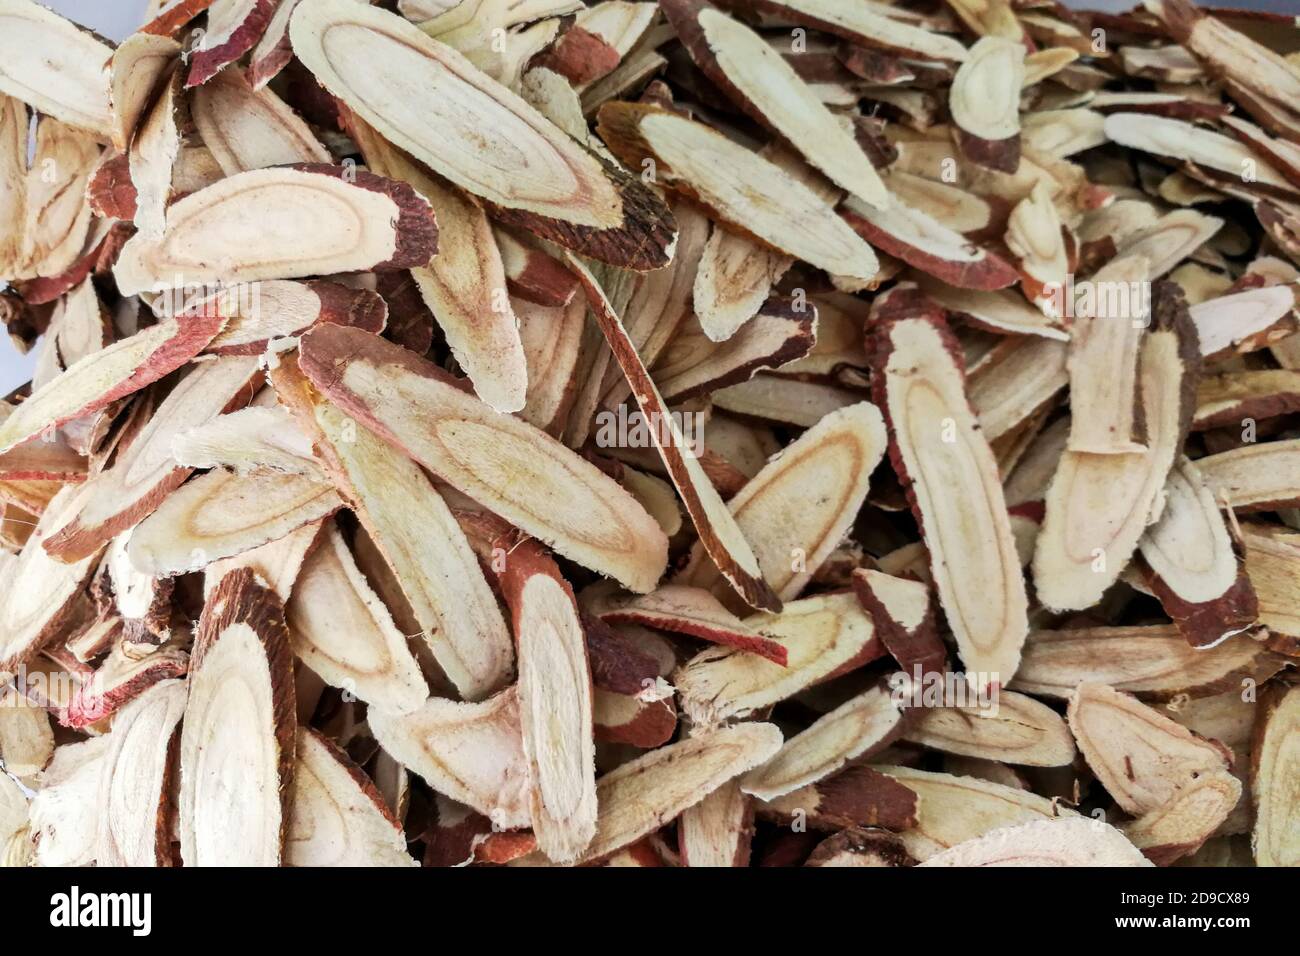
<point x="1274" y="778"/>
<point x="336" y="816"/>
<point x="1141" y="757"/>
<point x="310" y="220"/>
<point x="854" y="731"/>
<point x="139" y="64"/>
<point x="644" y="794"/>
<point x="1105" y="344"/>
<point x="1017" y="730"/>
<point x="55" y="66"/>
<point x="247" y="440"/>
<point x="1015" y="381"/>
<point x="1191" y="817"/>
<point x="413" y="528"/>
<point x="719" y="534"/>
<point x="247" y="129"/>
<point x="1001" y="312"/>
<point x="40" y="593"/>
<point x="920" y="385"/>
<point x="233" y="28"/>
<point x="1234" y="398"/>
<point x="824" y="636"/>
<point x="781" y="515"/>
<point x="681" y="609"/>
<point x="1154" y="662"/>
<point x="744" y="190"/>
<point x="463" y="285"/>
<point x="1066" y="842"/>
<point x="790" y="401"/>
<point x="861" y="847"/>
<point x="769" y="90"/>
<point x="64" y="814"/>
<point x="527" y="170"/>
<point x="260" y="312"/>
<point x="109" y="374"/>
<point x="239" y="720"/>
<point x="532" y="274"/>
<point x="135" y="822"/>
<point x="220" y="514"/>
<point x="952" y="810"/>
<point x="1245" y="321"/>
<point x="1194" y="567"/>
<point x="342" y="631"/>
<point x="1254" y="477"/>
<point x="717" y="831"/>
<point x="473" y="753"/>
<point x="144" y="473"/>
<point x="985" y="103"/>
<point x="776" y="335"/>
<point x="902" y="612"/>
<point x="520" y="473"/>
<point x="928" y="245"/>
<point x="555" y="702"/>
<point x="1099" y="505"/>
<point x="872" y="25"/>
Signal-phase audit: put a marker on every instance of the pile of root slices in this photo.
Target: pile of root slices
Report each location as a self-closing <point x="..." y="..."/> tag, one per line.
<point x="771" y="433"/>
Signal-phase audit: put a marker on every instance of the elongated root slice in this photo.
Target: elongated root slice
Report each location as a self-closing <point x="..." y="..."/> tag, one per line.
<point x="681" y="609"/>
<point x="952" y="484"/>
<point x="335" y="219"/>
<point x="1018" y="730"/>
<point x="799" y="506"/>
<point x="645" y="793"/>
<point x="342" y="631"/>
<point x="857" y="797"/>
<point x="473" y="753"/>
<point x="1098" y="506"/>
<point x="769" y="90"/>
<point x="337" y="817"/>
<point x="109" y="374"/>
<point x="413" y="528"/>
<point x="1274" y="778"/>
<point x="1192" y="563"/>
<point x="824" y="636"/>
<point x="1067" y="842"/>
<point x="555" y="702"/>
<point x="1141" y="757"/>
<point x="952" y="810"/>
<point x="507" y="465"/>
<point x="719" y="534"/>
<point x="463" y="284"/>
<point x="234" y="27"/>
<point x="740" y="187"/>
<point x="239" y="720"/>
<point x="136" y="779"/>
<point x="854" y="731"/>
<point x="526" y="169"/>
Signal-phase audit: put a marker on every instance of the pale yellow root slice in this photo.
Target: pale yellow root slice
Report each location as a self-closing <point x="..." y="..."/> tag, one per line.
<point x="1141" y="757"/>
<point x="221" y="514"/>
<point x="823" y="636"/>
<point x="139" y="768"/>
<point x="237" y="740"/>
<point x="337" y="817"/>
<point x="507" y="465"/>
<point x="852" y="731"/>
<point x="1019" y="731"/>
<point x="1275" y="780"/>
<point x="342" y="631"/>
<point x="952" y="810"/>
<point x="791" y="528"/>
<point x="473" y="753"/>
<point x="418" y="536"/>
<point x="1067" y="842"/>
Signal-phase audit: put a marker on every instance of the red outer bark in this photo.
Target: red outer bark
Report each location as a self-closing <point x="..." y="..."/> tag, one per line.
<point x="205" y="64"/>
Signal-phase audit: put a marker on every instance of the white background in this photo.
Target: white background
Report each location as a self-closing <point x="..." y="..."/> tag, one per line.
<point x="117" y="19"/>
